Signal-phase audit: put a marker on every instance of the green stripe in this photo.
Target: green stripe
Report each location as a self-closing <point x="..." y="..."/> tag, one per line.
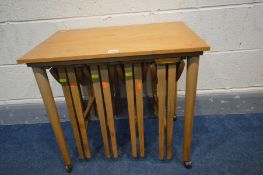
<point x="94" y="76"/>
<point x="62" y="80"/>
<point x="128" y="74"/>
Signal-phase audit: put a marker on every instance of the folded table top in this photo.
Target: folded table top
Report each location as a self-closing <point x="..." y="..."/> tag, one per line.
<point x="118" y="41"/>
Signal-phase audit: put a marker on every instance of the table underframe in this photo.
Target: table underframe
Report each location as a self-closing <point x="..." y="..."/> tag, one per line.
<point x="103" y="96"/>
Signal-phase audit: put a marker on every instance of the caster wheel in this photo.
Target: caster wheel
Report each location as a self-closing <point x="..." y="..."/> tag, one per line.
<point x="68" y="168"/>
<point x="188" y="164"/>
<point x="175" y="118"/>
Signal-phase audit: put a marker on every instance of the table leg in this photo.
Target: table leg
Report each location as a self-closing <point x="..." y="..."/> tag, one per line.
<point x="63" y="79"/>
<point x="130" y="100"/>
<point x="100" y="107"/>
<point x="76" y="95"/>
<point x="47" y="96"/>
<point x="108" y="105"/>
<point x="191" y="83"/>
<point x="139" y="105"/>
<point x="161" y="94"/>
<point x="171" y="104"/>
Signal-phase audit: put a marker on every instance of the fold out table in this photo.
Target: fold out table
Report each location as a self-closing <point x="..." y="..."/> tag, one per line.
<point x="96" y="49"/>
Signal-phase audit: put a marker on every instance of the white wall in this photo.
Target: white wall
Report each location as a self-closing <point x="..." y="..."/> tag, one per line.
<point x="233" y="28"/>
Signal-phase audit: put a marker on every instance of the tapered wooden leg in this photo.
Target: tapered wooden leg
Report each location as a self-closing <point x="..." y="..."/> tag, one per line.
<point x="47" y="96"/>
<point x="161" y="93"/>
<point x="100" y="107"/>
<point x="108" y="105"/>
<point x="139" y="105"/>
<point x="63" y="79"/>
<point x="130" y="100"/>
<point x="171" y="104"/>
<point x="191" y="83"/>
<point x="77" y="100"/>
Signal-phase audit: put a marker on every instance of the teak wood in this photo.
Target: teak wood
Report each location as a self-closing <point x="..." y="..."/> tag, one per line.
<point x="77" y="100"/>
<point x="108" y="105"/>
<point x="161" y="93"/>
<point x="129" y="78"/>
<point x="138" y="86"/>
<point x="100" y="107"/>
<point x="47" y="96"/>
<point x="171" y="107"/>
<point x="120" y="41"/>
<point x="134" y="87"/>
<point x="63" y="79"/>
<point x="190" y="94"/>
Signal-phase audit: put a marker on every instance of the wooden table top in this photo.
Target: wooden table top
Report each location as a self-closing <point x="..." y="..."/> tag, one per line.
<point x="118" y="41"/>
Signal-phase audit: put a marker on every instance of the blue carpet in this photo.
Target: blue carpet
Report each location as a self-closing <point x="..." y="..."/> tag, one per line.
<point x="231" y="144"/>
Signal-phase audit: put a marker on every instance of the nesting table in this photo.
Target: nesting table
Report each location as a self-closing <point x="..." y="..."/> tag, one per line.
<point x="74" y="55"/>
